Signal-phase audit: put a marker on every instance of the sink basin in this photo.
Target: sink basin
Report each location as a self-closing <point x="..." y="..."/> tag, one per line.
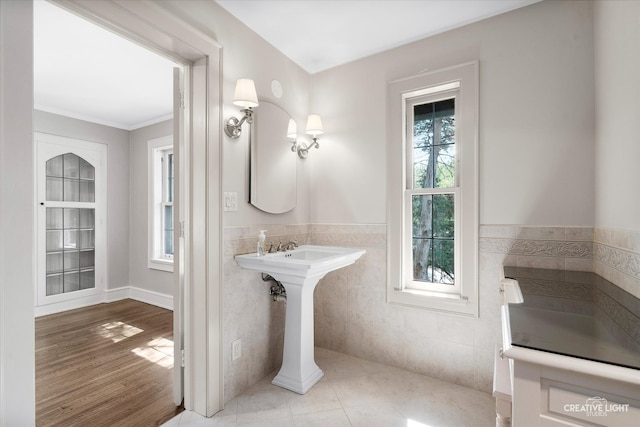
<point x="299" y="271"/>
<point x="305" y="262"/>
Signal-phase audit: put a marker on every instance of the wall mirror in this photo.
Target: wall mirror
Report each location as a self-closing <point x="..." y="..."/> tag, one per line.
<point x="273" y="183"/>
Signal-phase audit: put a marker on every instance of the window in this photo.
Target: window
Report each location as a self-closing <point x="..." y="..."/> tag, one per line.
<point x="161" y="196"/>
<point x="432" y="192"/>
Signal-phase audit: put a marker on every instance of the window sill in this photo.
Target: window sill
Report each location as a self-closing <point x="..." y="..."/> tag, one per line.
<point x="435" y="301"/>
<point x="161" y="264"/>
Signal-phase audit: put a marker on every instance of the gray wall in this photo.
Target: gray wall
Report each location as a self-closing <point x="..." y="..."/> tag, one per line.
<point x="617" y="130"/>
<point x="536" y="118"/>
<point x="117" y="142"/>
<point x="140" y="275"/>
<point x="127" y="192"/>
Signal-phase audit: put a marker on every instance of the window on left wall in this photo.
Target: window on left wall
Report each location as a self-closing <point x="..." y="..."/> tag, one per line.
<point x="161" y="194"/>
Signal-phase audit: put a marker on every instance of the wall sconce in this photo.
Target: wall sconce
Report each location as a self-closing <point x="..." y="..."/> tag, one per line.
<point x="314" y="128"/>
<point x="245" y="96"/>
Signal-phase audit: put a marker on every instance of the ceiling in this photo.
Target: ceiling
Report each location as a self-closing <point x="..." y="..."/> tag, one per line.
<point x="86" y="72"/>
<point x="321" y="34"/>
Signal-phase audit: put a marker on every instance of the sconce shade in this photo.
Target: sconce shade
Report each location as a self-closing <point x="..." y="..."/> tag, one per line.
<point x="245" y="95"/>
<point x="292" y="129"/>
<point x="314" y="125"/>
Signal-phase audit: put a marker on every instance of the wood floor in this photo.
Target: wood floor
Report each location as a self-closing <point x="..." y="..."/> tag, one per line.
<point x="105" y="365"/>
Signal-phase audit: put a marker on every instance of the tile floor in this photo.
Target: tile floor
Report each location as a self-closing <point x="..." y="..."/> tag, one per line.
<point x="354" y="393"/>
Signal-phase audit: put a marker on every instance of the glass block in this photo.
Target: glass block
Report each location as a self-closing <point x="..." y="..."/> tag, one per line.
<point x="87" y="191"/>
<point x="53" y="192"/>
<point x="87" y="218"/>
<point x="71" y="190"/>
<point x="443" y="215"/>
<point x="54" y="284"/>
<point x="87" y="259"/>
<point x="54" y="240"/>
<point x="71" y="166"/>
<point x="87" y="279"/>
<point x="54" y="166"/>
<point x="71" y="239"/>
<point x="71" y="260"/>
<point x="71" y="218"/>
<point x="87" y="239"/>
<point x="71" y="281"/>
<point x="54" y="262"/>
<point x="86" y="170"/>
<point x="54" y="218"/>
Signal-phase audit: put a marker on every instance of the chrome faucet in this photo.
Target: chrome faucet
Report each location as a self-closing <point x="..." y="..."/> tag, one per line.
<point x="291" y="245"/>
<point x="288" y="246"/>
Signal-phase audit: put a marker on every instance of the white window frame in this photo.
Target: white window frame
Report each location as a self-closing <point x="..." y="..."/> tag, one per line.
<point x="157" y="190"/>
<point x="460" y="82"/>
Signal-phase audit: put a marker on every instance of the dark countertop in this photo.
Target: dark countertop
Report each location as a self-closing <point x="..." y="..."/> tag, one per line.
<point x="576" y="314"/>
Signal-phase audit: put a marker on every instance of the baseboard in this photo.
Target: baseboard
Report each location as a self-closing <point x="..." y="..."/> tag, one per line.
<point x="151" y="297"/>
<point x="44" y="310"/>
<point x="109" y="295"/>
<point x="116" y="294"/>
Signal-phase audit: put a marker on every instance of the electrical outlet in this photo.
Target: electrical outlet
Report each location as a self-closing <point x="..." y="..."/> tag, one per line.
<point x="236" y="349"/>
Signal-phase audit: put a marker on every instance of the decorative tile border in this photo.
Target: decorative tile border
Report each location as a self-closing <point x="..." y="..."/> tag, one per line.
<point x="617" y="257"/>
<point x="568" y="248"/>
<point x="568" y="290"/>
<point x="626" y="262"/>
<point x="626" y="320"/>
<point x="546" y="248"/>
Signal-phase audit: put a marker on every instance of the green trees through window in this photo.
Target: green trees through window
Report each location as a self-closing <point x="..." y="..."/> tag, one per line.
<point x="433" y="211"/>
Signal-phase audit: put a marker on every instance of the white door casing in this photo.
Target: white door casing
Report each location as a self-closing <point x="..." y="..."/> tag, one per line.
<point x="179" y="273"/>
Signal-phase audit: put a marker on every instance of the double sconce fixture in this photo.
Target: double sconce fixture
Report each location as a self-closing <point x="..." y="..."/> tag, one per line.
<point x="245" y="96"/>
<point x="314" y="128"/>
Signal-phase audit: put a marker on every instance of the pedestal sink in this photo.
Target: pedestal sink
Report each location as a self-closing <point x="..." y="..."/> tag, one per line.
<point x="300" y="270"/>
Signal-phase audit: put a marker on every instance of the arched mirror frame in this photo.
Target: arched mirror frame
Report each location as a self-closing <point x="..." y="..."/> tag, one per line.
<point x="273" y="168"/>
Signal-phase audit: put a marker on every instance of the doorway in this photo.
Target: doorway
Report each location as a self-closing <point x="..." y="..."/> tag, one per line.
<point x="79" y="263"/>
<point x="149" y="24"/>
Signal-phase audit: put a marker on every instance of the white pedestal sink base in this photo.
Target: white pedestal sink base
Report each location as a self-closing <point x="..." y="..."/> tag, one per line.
<point x="299" y="272"/>
<point x="296" y="384"/>
<point x="299" y="371"/>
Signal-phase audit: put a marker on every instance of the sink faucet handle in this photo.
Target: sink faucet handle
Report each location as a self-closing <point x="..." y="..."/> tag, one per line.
<point x="292" y="244"/>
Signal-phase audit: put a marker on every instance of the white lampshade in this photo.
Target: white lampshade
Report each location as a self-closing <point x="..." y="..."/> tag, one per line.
<point x="292" y="129"/>
<point x="314" y="125"/>
<point x="245" y="95"/>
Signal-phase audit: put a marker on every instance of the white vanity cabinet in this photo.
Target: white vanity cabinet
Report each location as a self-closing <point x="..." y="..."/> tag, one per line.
<point x="556" y="390"/>
<point x="572" y="350"/>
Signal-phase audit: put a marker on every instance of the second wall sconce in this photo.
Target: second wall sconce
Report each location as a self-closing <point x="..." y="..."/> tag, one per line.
<point x="314" y="128"/>
<point x="245" y="96"/>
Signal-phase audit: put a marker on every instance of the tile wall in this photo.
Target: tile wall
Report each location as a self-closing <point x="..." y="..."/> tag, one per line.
<point x="617" y="257"/>
<point x="249" y="313"/>
<point x="351" y="313"/>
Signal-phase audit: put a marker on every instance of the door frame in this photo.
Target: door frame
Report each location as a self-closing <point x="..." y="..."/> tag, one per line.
<point x="150" y="25"/>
